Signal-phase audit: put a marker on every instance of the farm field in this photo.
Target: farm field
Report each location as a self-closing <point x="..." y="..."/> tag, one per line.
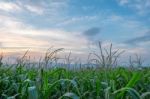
<point x="60" y="83"/>
<point x="101" y="78"/>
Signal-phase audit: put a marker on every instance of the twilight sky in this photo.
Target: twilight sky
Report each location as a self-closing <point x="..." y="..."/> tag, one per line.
<point x="75" y="25"/>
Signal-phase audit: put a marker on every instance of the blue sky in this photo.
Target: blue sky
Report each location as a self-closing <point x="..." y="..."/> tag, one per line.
<point x="75" y="25"/>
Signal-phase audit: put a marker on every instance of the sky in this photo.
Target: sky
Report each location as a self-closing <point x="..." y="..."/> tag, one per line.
<point x="76" y="25"/>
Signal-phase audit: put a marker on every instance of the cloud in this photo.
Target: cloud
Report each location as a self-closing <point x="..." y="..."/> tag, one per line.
<point x="54" y="7"/>
<point x="35" y="9"/>
<point x="9" y="7"/>
<point x="31" y="7"/>
<point x="17" y="35"/>
<point x="140" y="6"/>
<point x="40" y="7"/>
<point x="92" y="32"/>
<point x="141" y="39"/>
<point x="10" y="22"/>
<point x="123" y="2"/>
<point x="1" y="45"/>
<point x="73" y="20"/>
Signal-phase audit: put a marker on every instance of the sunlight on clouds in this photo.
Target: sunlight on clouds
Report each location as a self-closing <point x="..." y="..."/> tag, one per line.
<point x="49" y="38"/>
<point x="17" y="35"/>
<point x="10" y="23"/>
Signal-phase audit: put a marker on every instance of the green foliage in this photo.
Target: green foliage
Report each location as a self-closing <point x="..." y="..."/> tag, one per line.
<point x="121" y="83"/>
<point x="32" y="92"/>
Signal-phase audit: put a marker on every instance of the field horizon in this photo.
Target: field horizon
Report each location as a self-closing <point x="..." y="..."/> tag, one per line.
<point x="100" y="78"/>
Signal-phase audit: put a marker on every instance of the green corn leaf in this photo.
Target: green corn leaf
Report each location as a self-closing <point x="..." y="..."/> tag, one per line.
<point x="69" y="95"/>
<point x="32" y="93"/>
<point x="131" y="83"/>
<point x="144" y="95"/>
<point x="131" y="91"/>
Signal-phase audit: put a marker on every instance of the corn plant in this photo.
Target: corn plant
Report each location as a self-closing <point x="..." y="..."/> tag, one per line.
<point x="106" y="58"/>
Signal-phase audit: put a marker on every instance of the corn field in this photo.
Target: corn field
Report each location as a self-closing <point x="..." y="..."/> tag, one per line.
<point x="103" y="82"/>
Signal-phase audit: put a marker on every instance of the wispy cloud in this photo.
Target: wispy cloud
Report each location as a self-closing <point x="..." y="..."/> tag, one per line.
<point x="9" y="6"/>
<point x="140" y="6"/>
<point x="73" y="20"/>
<point x="40" y="7"/>
<point x="35" y="9"/>
<point x="123" y="2"/>
<point x="141" y="39"/>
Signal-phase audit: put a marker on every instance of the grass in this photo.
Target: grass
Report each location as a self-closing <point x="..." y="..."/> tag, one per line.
<point x="103" y="82"/>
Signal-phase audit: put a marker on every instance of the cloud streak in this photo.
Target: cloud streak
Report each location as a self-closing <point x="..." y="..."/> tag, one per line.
<point x="9" y="7"/>
<point x="35" y="9"/>
<point x="141" y="39"/>
<point x="140" y="6"/>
